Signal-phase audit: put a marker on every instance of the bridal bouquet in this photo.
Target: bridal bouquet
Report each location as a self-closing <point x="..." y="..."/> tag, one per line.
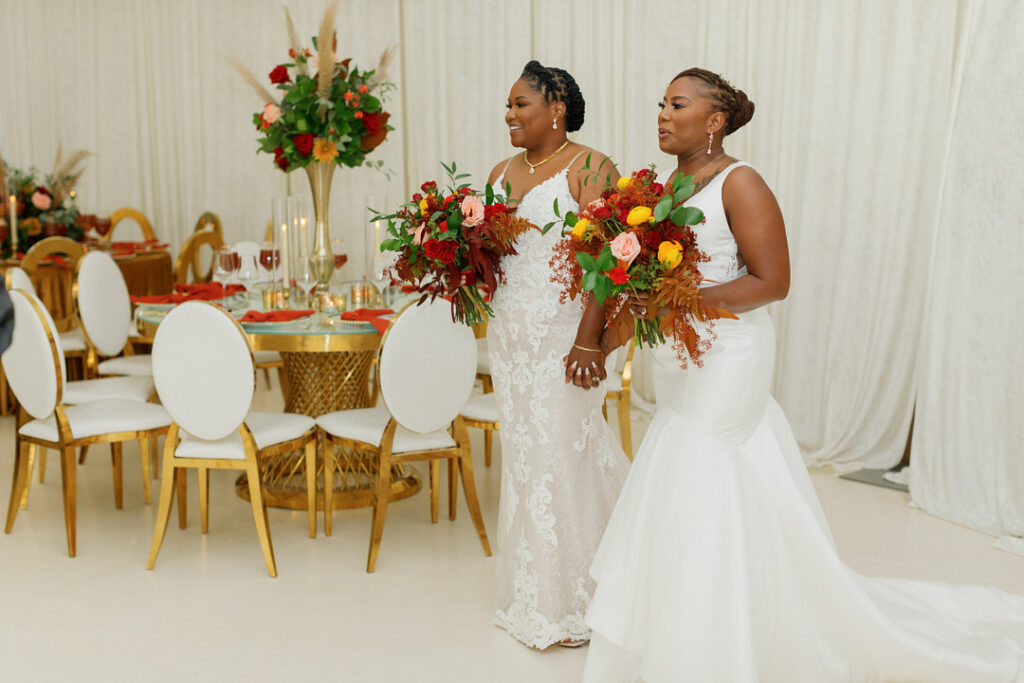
<point x="327" y="109"/>
<point x="638" y="237"/>
<point x="449" y="242"/>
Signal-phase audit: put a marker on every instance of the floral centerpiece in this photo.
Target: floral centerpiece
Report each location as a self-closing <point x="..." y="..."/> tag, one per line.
<point x="449" y="242"/>
<point x="638" y="237"/>
<point x="42" y="203"/>
<point x="327" y="113"/>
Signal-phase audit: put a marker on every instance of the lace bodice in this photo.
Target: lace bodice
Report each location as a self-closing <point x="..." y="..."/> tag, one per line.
<point x="714" y="237"/>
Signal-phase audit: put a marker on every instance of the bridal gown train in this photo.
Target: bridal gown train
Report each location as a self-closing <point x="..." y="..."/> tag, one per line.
<point x="561" y="465"/>
<point x="718" y="565"/>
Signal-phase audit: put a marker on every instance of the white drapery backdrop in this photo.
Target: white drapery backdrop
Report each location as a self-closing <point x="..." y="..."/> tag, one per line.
<point x="854" y="115"/>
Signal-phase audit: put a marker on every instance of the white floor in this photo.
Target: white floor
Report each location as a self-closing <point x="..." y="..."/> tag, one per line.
<point x="209" y="612"/>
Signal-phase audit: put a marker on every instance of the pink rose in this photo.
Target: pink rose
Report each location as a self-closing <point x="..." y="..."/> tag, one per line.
<point x="472" y="211"/>
<point x="625" y="247"/>
<point x="41" y="200"/>
<point x="271" y="113"/>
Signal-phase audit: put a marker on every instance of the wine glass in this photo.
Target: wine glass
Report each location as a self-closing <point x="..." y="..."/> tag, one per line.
<point x="224" y="266"/>
<point x="246" y="273"/>
<point x="270" y="259"/>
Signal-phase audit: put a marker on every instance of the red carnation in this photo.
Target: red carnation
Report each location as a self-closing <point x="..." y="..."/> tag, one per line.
<point x="658" y="188"/>
<point x="371" y="122"/>
<point x="417" y="197"/>
<point x="430" y="187"/>
<point x="619" y="275"/>
<point x="279" y="74"/>
<point x="492" y="210"/>
<point x="303" y="143"/>
<point x="448" y="200"/>
<point x="603" y="213"/>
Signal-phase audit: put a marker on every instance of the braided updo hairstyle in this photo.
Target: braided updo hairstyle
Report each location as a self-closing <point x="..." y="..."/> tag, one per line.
<point x="730" y="101"/>
<point x="557" y="85"/>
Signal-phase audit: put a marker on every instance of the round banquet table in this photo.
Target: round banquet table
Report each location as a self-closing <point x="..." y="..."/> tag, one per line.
<point x="327" y="368"/>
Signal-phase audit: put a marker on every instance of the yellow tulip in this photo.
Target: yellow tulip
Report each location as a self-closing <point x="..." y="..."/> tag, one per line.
<point x="639" y="215"/>
<point x="423" y="207"/>
<point x="624" y="182"/>
<point x="581" y="228"/>
<point x="670" y="253"/>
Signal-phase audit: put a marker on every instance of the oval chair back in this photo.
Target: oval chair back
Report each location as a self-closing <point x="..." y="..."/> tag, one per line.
<point x="130" y="214"/>
<point x="56" y="287"/>
<point x="427" y="366"/>
<point x="209" y="220"/>
<point x="188" y="267"/>
<point x="104" y="306"/>
<point x="17" y="278"/>
<point x="34" y="362"/>
<point x="203" y="370"/>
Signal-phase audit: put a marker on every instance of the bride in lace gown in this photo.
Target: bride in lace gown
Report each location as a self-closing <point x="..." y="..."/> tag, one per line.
<point x="562" y="466"/>
<point x="717" y="564"/>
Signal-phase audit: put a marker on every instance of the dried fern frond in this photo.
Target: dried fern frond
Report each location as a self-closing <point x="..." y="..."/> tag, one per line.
<point x="251" y="79"/>
<point x="380" y="74"/>
<point x="66" y="173"/>
<point x="293" y="39"/>
<point x="324" y="49"/>
<point x="508" y="226"/>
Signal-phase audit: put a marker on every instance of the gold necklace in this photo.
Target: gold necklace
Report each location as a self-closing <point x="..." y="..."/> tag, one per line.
<point x="546" y="160"/>
<point x="717" y="157"/>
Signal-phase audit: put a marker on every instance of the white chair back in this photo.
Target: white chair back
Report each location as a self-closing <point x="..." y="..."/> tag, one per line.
<point x="427" y="366"/>
<point x="17" y="278"/>
<point x="34" y="362"/>
<point x="203" y="370"/>
<point x="103" y="303"/>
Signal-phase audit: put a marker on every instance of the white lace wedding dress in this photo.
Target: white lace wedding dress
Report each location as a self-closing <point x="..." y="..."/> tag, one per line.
<point x="718" y="565"/>
<point x="562" y="467"/>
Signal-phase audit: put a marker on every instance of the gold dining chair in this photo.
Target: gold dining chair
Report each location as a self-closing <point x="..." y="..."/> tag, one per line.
<point x="427" y="365"/>
<point x="188" y="266"/>
<point x="33" y="365"/>
<point x="130" y="214"/>
<point x="617" y="389"/>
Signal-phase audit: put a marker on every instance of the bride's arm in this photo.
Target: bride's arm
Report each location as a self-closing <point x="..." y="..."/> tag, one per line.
<point x="760" y="233"/>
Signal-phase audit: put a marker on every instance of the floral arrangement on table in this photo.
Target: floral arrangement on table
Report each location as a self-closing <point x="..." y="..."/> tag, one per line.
<point x="639" y="237"/>
<point x="43" y="204"/>
<point x="328" y="110"/>
<point x="449" y="242"/>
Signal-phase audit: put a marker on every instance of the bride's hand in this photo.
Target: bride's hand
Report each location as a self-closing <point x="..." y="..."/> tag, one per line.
<point x="638" y="306"/>
<point x="583" y="367"/>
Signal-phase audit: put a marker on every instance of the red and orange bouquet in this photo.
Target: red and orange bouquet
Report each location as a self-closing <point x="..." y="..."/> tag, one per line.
<point x="449" y="242"/>
<point x="638" y="237"/>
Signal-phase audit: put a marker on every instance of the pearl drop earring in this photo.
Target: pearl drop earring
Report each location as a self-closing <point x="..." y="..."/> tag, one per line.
<point x="554" y="125"/>
<point x="711" y="138"/>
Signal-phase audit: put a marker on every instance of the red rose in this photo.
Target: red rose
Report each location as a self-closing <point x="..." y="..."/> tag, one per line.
<point x="603" y="213"/>
<point x="624" y="216"/>
<point x="494" y="209"/>
<point x="619" y="275"/>
<point x="303" y="143"/>
<point x="643" y="173"/>
<point x="463" y="191"/>
<point x="443" y="250"/>
<point x="417" y="197"/>
<point x="430" y="187"/>
<point x="658" y="188"/>
<point x="279" y="74"/>
<point x="371" y="122"/>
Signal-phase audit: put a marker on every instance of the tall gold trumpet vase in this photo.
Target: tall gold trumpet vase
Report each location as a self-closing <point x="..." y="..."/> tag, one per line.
<point x="321" y="259"/>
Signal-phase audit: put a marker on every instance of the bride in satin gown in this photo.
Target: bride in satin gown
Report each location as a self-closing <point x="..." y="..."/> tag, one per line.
<point x="717" y="564"/>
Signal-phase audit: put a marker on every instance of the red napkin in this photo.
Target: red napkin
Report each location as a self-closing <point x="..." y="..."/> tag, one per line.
<point x="204" y="291"/>
<point x="408" y="289"/>
<point x="369" y="315"/>
<point x="273" y="316"/>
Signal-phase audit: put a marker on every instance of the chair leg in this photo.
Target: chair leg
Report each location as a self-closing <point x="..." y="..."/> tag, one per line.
<point x="266" y="376"/>
<point x="144" y="458"/>
<point x="488" y="446"/>
<point x="118" y="467"/>
<point x="259" y="514"/>
<point x="328" y="486"/>
<point x="154" y="456"/>
<point x="28" y="475"/>
<point x="69" y="487"/>
<point x="453" y="486"/>
<point x="311" y="485"/>
<point x="380" y="511"/>
<point x="181" y="483"/>
<point x="204" y="498"/>
<point x="163" y="512"/>
<point x="469" y="484"/>
<point x="81" y="456"/>
<point x="435" y="485"/>
<point x="625" y="434"/>
<point x="42" y="464"/>
<point x="17" y="484"/>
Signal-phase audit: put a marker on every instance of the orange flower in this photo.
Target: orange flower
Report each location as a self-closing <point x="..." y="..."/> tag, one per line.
<point x="324" y="150"/>
<point x="32" y="226"/>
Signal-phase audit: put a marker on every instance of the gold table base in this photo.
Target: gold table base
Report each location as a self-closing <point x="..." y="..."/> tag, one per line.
<point x="320" y="383"/>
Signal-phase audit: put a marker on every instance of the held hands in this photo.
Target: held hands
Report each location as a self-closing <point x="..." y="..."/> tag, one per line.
<point x="584" y="366"/>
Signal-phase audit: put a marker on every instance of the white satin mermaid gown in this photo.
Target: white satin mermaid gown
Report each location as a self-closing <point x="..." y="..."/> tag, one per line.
<point x="718" y="566"/>
<point x="561" y="465"/>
